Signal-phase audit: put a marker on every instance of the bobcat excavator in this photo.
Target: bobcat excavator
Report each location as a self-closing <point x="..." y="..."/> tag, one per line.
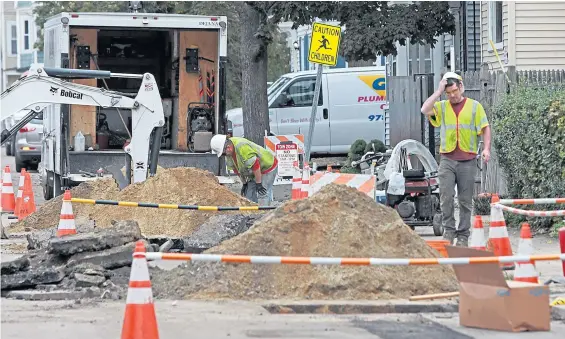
<point x="43" y="86"/>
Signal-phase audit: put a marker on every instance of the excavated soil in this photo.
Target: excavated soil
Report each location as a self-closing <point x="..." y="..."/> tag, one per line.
<point x="187" y="186"/>
<point x="338" y="221"/>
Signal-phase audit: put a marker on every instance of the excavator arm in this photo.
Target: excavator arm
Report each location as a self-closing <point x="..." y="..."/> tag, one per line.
<point x="45" y="86"/>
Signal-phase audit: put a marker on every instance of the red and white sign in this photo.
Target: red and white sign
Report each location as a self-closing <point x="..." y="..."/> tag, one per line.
<point x="287" y="155"/>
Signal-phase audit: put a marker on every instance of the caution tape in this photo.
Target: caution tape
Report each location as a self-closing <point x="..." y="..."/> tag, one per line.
<point x="531" y="213"/>
<point x="246" y="259"/>
<point x="542" y="201"/>
<point x="170" y="206"/>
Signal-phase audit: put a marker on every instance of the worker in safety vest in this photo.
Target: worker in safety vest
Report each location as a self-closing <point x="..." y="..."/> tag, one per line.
<point x="461" y="122"/>
<point x="256" y="166"/>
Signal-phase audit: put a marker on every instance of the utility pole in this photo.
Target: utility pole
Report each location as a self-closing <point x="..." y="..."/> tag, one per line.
<point x="454" y="7"/>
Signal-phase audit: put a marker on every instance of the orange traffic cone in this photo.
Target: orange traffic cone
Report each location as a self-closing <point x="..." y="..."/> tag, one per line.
<point x="20" y="192"/>
<point x="526" y="270"/>
<point x="66" y="219"/>
<point x="305" y="188"/>
<point x="140" y="321"/>
<point x="8" y="198"/>
<point x="27" y="204"/>
<point x="499" y="242"/>
<point x="296" y="182"/>
<point x="478" y="241"/>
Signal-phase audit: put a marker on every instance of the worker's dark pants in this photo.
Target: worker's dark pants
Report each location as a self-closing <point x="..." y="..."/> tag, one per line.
<point x="462" y="174"/>
<point x="267" y="181"/>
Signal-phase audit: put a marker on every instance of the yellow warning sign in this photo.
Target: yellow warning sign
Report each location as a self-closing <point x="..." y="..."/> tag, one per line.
<point x="324" y="44"/>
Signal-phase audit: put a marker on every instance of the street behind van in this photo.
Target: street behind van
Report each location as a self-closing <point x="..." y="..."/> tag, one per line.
<point x="351" y="106"/>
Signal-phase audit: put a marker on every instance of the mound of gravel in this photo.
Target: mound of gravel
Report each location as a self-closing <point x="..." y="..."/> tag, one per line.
<point x="182" y="185"/>
<point x="338" y="221"/>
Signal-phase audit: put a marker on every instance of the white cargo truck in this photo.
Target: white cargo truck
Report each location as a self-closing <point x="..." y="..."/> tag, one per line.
<point x="352" y="105"/>
<point x="187" y="54"/>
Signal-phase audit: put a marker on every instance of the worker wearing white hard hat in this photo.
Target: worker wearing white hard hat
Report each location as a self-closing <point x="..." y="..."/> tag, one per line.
<point x="462" y="121"/>
<point x="255" y="165"/>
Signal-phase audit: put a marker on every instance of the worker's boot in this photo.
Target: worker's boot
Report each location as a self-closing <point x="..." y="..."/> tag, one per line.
<point x="462" y="241"/>
<point x="449" y="236"/>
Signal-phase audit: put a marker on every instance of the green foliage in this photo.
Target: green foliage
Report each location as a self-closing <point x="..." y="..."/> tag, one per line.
<point x="373" y="27"/>
<point x="529" y="136"/>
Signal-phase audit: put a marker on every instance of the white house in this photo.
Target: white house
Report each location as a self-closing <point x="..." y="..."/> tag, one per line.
<point x="19" y="34"/>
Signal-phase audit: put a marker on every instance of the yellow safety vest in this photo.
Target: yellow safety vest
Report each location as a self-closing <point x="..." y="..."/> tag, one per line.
<point x="462" y="130"/>
<point x="247" y="152"/>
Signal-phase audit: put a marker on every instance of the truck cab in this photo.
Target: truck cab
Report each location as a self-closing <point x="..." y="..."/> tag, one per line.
<point x="351" y="106"/>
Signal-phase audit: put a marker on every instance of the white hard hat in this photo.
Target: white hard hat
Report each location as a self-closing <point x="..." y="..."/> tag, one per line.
<point x="452" y="75"/>
<point x="217" y="144"/>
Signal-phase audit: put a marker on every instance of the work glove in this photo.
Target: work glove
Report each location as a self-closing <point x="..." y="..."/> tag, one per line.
<point x="243" y="189"/>
<point x="260" y="189"/>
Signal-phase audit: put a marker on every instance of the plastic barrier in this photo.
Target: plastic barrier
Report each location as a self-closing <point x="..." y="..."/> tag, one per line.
<point x="171" y="206"/>
<point x="531" y="213"/>
<point x="247" y="259"/>
<point x="532" y="201"/>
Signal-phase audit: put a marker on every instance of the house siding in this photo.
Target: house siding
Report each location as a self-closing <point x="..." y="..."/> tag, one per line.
<point x="540" y="35"/>
<point x="488" y="56"/>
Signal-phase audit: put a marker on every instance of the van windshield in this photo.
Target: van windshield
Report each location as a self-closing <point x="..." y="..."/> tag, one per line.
<point x="276" y="86"/>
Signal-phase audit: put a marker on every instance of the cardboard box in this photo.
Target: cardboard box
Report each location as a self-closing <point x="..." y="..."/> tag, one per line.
<point x="487" y="300"/>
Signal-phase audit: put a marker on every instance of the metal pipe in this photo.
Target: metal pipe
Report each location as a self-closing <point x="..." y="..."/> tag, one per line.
<point x="126" y="75"/>
<point x="6" y="134"/>
<point x="154" y="153"/>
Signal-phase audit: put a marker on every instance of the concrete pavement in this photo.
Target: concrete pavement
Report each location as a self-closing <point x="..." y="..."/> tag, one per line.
<point x="193" y="319"/>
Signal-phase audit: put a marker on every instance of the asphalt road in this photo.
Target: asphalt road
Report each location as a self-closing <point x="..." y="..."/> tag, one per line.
<point x="235" y="320"/>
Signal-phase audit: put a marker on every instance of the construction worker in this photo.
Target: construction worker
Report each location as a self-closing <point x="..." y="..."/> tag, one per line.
<point x="256" y="166"/>
<point x="461" y="121"/>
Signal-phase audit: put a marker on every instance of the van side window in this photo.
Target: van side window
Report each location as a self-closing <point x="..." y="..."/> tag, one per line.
<point x="299" y="94"/>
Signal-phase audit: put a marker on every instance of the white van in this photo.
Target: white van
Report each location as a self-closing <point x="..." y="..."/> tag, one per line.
<point x="351" y="107"/>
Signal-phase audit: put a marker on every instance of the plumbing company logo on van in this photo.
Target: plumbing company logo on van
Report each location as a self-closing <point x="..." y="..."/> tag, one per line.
<point x="378" y="84"/>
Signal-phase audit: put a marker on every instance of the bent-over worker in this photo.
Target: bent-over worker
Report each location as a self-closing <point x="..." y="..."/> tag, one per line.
<point x="461" y="121"/>
<point x="255" y="165"/>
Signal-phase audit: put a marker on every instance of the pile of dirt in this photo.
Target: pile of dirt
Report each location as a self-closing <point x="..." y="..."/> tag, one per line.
<point x="186" y="186"/>
<point x="338" y="221"/>
<point x="47" y="215"/>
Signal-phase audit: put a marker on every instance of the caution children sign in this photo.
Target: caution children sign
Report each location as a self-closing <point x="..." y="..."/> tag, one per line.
<point x="324" y="45"/>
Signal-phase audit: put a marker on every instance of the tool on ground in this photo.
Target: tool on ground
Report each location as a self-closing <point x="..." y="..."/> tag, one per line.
<point x="526" y="270"/>
<point x="67" y="219"/>
<point x="498" y="241"/>
<point x="434" y="296"/>
<point x="418" y="203"/>
<point x="140" y="321"/>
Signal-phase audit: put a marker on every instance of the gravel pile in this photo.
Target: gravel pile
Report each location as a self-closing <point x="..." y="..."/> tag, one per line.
<point x="187" y="186"/>
<point x="338" y="221"/>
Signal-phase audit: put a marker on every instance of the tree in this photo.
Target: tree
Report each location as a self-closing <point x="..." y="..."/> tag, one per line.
<point x="372" y="27"/>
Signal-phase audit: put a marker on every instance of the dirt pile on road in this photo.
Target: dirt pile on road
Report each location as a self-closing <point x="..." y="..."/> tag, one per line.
<point x="338" y="221"/>
<point x="47" y="215"/>
<point x="187" y="186"/>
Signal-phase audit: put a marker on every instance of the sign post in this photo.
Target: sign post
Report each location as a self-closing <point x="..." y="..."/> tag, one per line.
<point x="324" y="48"/>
